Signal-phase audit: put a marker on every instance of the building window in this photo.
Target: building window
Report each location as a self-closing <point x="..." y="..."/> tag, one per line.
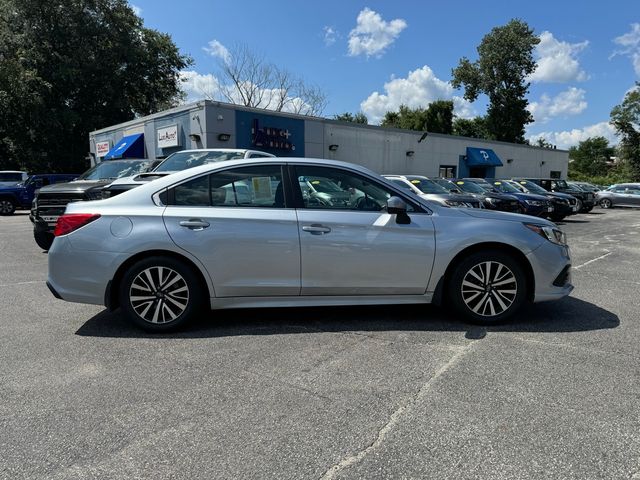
<point x="447" y="171"/>
<point x="556" y="174"/>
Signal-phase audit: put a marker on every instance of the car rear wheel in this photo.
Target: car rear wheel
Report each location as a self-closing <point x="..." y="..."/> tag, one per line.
<point x="7" y="207"/>
<point x="606" y="203"/>
<point x="488" y="287"/>
<point x="160" y="294"/>
<point x="43" y="239"/>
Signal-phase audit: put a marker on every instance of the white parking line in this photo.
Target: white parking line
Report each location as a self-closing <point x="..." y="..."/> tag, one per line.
<point x="593" y="260"/>
<point x="20" y="283"/>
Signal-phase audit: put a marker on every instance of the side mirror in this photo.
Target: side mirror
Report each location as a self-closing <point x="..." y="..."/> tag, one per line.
<point x="395" y="205"/>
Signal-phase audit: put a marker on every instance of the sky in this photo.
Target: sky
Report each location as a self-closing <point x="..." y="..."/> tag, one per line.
<point x="374" y="56"/>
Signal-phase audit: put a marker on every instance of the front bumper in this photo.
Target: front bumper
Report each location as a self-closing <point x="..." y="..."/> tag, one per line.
<point x="551" y="265"/>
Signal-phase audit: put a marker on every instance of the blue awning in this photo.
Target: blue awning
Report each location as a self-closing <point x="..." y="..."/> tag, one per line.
<point x="131" y="146"/>
<point x="482" y="157"/>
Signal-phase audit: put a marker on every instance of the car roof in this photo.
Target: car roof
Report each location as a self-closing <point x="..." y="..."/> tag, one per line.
<point x="245" y="150"/>
<point x="12" y="171"/>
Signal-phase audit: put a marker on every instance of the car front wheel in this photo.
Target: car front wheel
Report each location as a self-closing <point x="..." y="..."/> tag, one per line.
<point x="160" y="294"/>
<point x="7" y="207"/>
<point x="605" y="203"/>
<point x="488" y="287"/>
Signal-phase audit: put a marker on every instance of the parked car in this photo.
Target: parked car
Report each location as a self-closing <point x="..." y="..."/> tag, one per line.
<point x="21" y="195"/>
<point x="50" y="201"/>
<point x="162" y="251"/>
<point x="586" y="186"/>
<point x="622" y="195"/>
<point x="430" y="190"/>
<point x="530" y="203"/>
<point x="491" y="200"/>
<point x="563" y="203"/>
<point x="179" y="161"/>
<point x="585" y="200"/>
<point x="11" y="177"/>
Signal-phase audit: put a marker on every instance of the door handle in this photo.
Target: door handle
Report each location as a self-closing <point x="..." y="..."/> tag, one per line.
<point x="194" y="224"/>
<point x="316" y="229"/>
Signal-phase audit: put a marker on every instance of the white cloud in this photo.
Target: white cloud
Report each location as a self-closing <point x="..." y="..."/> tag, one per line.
<point x="420" y="88"/>
<point x="216" y="49"/>
<point x="569" y="102"/>
<point x="330" y="35"/>
<point x="557" y="62"/>
<point x="630" y="43"/>
<point x="136" y="9"/>
<point x="570" y="138"/>
<point x="372" y="34"/>
<point x="198" y="86"/>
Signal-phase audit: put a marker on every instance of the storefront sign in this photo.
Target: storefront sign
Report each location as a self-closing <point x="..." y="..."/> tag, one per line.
<point x="270" y="137"/>
<point x="168" y="137"/>
<point x="101" y="149"/>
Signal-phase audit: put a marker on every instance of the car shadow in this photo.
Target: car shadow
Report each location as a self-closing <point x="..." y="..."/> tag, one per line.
<point x="562" y="222"/>
<point x="566" y="315"/>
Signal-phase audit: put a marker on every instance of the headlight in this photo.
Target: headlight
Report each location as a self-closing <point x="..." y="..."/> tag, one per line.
<point x="554" y="235"/>
<point x="535" y="203"/>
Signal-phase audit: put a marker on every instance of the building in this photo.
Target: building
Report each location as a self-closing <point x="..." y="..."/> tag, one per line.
<point x="207" y="124"/>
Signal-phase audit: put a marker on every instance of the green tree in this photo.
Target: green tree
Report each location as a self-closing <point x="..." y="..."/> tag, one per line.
<point x="505" y="59"/>
<point x="440" y="117"/>
<point x="471" y="127"/>
<point x="543" y="143"/>
<point x="68" y="67"/>
<point x="436" y="118"/>
<point x="350" y="117"/>
<point x="625" y="118"/>
<point x="590" y="157"/>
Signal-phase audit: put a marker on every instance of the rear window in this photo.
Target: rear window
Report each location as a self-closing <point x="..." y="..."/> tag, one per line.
<point x="10" y="177"/>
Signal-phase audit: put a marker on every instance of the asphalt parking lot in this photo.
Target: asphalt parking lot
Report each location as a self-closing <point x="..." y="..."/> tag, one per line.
<point x="394" y="392"/>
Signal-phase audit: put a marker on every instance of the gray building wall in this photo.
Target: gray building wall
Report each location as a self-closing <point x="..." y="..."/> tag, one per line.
<point x="384" y="150"/>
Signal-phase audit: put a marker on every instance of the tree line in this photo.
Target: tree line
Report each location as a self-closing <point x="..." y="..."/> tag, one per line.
<point x="68" y="67"/>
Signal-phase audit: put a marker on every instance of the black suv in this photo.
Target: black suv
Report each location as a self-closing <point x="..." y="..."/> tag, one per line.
<point x="51" y="201"/>
<point x="586" y="200"/>
<point x="490" y="200"/>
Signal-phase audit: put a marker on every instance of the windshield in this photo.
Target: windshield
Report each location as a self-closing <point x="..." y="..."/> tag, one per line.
<point x="532" y="187"/>
<point x="563" y="184"/>
<point x="183" y="160"/>
<point x="505" y="187"/>
<point x="322" y="185"/>
<point x="10" y="177"/>
<point x="469" y="187"/>
<point x="112" y="169"/>
<point x="427" y="186"/>
<point x="446" y="184"/>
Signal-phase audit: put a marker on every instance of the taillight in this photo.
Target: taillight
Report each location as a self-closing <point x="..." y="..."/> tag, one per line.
<point x="72" y="221"/>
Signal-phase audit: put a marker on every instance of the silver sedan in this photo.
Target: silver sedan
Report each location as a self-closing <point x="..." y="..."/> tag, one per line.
<point x="244" y="233"/>
<point x="622" y="195"/>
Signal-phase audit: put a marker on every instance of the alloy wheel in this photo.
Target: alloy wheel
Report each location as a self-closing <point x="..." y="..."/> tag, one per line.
<point x="489" y="288"/>
<point x="159" y="295"/>
<point x="605" y="203"/>
<point x="6" y="207"/>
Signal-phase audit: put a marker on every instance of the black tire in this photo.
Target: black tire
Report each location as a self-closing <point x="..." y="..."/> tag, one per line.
<point x="7" y="206"/>
<point x="43" y="239"/>
<point x="606" y="203"/>
<point x="483" y="304"/>
<point x="165" y="305"/>
<point x="588" y="209"/>
<point x="557" y="218"/>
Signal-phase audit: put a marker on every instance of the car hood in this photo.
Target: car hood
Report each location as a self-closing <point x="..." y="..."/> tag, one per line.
<point x="507" y="216"/>
<point x="530" y="196"/>
<point x="449" y="196"/>
<point x="75" y="186"/>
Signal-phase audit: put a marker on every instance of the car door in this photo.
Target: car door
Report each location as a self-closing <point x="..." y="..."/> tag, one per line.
<point x="239" y="225"/>
<point x="350" y="245"/>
